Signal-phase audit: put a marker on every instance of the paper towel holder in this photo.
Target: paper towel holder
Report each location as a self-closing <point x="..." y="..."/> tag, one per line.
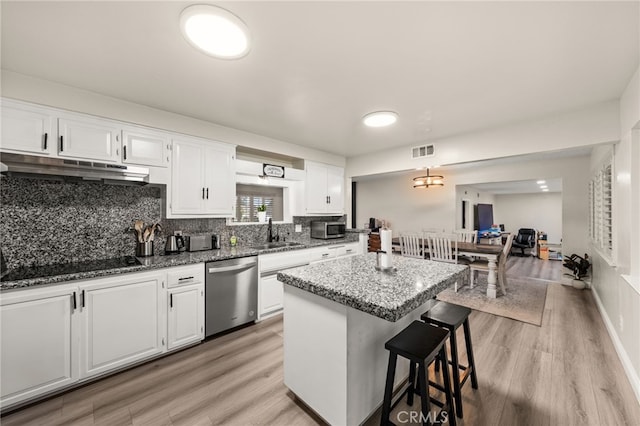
<point x="388" y="269"/>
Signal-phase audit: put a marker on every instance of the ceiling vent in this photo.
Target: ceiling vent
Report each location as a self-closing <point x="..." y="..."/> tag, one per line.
<point x="422" y="151"/>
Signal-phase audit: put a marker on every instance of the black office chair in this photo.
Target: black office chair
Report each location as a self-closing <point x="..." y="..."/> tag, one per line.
<point x="526" y="239"/>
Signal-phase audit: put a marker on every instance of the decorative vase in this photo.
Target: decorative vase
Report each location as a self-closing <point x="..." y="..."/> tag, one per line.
<point x="262" y="216"/>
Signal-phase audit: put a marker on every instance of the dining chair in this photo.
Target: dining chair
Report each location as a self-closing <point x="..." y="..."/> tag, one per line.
<point x="411" y="244"/>
<point x="465" y="236"/>
<point x="483" y="265"/>
<point x="444" y="248"/>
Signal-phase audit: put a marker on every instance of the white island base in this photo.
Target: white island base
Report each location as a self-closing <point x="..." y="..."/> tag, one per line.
<point x="334" y="356"/>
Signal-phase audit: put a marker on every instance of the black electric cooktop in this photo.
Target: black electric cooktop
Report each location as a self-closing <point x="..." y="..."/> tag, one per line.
<point x="30" y="272"/>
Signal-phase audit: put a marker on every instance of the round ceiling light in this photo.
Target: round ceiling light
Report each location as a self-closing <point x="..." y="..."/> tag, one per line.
<point x="380" y="118"/>
<point x="215" y="31"/>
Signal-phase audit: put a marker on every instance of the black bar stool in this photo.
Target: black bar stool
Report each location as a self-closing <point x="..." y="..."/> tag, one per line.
<point x="421" y="344"/>
<point x="450" y="317"/>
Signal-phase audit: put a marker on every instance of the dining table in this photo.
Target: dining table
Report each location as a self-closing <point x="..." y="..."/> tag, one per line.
<point x="490" y="252"/>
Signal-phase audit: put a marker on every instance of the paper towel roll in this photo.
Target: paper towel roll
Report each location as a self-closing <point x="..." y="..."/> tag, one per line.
<point x="385" y="244"/>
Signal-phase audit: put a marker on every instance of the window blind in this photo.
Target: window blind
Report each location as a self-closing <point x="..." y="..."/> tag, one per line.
<point x="601" y="208"/>
<point x="250" y="197"/>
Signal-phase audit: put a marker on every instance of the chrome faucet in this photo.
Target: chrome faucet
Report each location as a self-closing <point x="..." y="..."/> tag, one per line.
<point x="270" y="232"/>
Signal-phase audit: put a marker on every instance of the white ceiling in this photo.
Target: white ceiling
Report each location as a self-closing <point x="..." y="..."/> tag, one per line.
<point x="518" y="187"/>
<point x="315" y="68"/>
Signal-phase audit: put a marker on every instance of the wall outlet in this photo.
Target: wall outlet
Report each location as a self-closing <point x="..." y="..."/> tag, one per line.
<point x="298" y="228"/>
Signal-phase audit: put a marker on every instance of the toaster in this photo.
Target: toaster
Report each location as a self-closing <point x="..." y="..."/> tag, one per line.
<point x="197" y="242"/>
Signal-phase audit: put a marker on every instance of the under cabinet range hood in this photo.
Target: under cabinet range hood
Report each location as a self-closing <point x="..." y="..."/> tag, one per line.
<point x="20" y="165"/>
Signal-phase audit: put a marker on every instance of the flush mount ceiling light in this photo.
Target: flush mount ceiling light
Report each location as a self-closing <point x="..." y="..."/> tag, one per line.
<point x="428" y="180"/>
<point x="215" y="31"/>
<point x="380" y="118"/>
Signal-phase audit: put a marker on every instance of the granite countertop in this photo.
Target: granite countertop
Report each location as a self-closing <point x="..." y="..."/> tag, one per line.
<point x="354" y="282"/>
<point x="166" y="261"/>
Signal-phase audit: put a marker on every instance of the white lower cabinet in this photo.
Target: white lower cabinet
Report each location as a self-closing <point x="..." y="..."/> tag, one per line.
<point x="271" y="294"/>
<point x="185" y="294"/>
<point x="38" y="350"/>
<point x="121" y="321"/>
<point x="186" y="316"/>
<point x="53" y="337"/>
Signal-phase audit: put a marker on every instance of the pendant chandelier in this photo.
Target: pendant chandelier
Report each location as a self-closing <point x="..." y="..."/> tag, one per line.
<point x="428" y="180"/>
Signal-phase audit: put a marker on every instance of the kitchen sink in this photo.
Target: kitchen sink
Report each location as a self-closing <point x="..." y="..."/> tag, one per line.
<point x="275" y="244"/>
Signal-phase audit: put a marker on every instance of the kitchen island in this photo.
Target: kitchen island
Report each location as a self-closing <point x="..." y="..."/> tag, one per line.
<point x="338" y="316"/>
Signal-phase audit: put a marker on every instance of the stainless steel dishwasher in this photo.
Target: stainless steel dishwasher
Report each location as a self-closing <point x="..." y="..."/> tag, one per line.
<point x="231" y="293"/>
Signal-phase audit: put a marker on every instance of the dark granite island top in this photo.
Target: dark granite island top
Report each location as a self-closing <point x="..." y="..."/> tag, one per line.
<point x="355" y="282"/>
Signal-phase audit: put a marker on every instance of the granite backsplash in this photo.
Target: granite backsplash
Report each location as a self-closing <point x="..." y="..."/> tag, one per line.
<point x="45" y="222"/>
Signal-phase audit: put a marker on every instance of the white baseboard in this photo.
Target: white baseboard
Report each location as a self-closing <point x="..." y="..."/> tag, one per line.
<point x="617" y="344"/>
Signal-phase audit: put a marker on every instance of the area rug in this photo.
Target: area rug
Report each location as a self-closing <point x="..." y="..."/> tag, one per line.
<point x="524" y="300"/>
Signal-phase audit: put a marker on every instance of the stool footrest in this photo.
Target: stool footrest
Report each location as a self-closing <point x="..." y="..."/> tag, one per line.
<point x="465" y="369"/>
<point x="432" y="399"/>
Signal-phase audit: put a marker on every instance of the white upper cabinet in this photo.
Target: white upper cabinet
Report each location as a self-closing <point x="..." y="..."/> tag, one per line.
<point x="89" y="138"/>
<point x="220" y="180"/>
<point x="324" y="189"/>
<point x="27" y="128"/>
<point x="145" y="147"/>
<point x="202" y="179"/>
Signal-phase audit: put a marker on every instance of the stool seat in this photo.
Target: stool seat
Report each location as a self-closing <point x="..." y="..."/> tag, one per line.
<point x="446" y="314"/>
<point x="418" y="341"/>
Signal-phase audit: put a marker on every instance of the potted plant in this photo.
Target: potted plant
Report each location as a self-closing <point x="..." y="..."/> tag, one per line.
<point x="262" y="213"/>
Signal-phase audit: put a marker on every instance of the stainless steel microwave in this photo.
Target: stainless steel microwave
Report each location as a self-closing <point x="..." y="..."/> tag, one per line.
<point x="327" y="230"/>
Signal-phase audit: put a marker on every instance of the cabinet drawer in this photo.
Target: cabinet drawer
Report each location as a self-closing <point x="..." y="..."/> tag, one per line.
<point x="322" y="253"/>
<point x="283" y="260"/>
<point x="185" y="275"/>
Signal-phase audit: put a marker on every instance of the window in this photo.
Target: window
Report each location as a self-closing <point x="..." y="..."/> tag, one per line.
<point x="250" y="197"/>
<point x="601" y="208"/>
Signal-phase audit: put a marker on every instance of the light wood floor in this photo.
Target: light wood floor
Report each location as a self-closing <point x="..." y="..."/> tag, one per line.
<point x="563" y="373"/>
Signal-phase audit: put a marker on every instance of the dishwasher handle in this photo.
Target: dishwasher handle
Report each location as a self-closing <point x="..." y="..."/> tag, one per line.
<point x="214" y="269"/>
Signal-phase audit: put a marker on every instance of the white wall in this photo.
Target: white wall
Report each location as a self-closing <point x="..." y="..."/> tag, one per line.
<point x="26" y="88"/>
<point x="616" y="281"/>
<point x="541" y="211"/>
<point x="392" y="197"/>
